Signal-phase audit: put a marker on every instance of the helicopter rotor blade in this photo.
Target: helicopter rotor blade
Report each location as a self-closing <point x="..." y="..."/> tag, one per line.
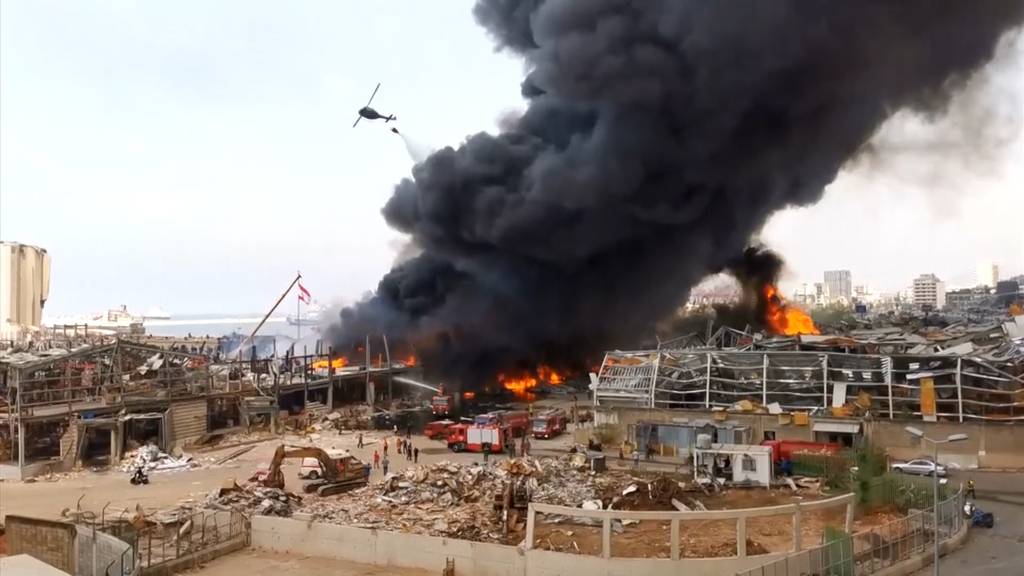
<point x="374" y="94"/>
<point x="358" y="118"/>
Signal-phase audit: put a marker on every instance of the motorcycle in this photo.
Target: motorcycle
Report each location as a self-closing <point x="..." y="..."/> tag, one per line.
<point x="139" y="477"/>
<point x="979" y="518"/>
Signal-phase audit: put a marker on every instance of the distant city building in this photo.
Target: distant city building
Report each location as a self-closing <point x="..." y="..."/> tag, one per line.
<point x="988" y="274"/>
<point x="967" y="298"/>
<point x="839" y="285"/>
<point x="929" y="292"/>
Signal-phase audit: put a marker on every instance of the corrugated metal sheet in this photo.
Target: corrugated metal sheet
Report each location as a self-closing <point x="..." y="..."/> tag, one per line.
<point x="188" y="421"/>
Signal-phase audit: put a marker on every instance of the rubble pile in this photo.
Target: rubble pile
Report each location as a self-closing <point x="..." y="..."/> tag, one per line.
<point x="259" y="500"/>
<point x="151" y="458"/>
<point x="656" y="494"/>
<point x="457" y="500"/>
<point x="347" y="418"/>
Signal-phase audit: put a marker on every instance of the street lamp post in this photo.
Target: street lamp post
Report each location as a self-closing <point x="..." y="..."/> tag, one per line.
<point x="935" y="485"/>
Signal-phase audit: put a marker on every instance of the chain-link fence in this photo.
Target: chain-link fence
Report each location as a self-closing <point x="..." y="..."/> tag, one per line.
<point x="870" y="551"/>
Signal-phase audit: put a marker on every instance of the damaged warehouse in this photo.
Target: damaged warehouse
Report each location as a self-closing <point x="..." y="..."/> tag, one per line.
<point x="90" y="405"/>
<point x="825" y="388"/>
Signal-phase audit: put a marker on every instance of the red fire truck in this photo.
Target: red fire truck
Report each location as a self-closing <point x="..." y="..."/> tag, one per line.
<point x="517" y="421"/>
<point x="437" y="429"/>
<point x="473" y="437"/>
<point x="784" y="449"/>
<point x="549" y="423"/>
<point x="441" y="403"/>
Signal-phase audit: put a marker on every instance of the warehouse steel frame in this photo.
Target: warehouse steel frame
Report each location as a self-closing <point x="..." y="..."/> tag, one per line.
<point x="890" y="385"/>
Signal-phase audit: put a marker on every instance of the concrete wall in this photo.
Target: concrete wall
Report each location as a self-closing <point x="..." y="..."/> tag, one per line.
<point x="97" y="551"/>
<point x="47" y="540"/>
<point x="990" y="445"/>
<point x="400" y="550"/>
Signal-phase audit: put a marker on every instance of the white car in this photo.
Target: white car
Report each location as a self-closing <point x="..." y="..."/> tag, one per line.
<point x="921" y="467"/>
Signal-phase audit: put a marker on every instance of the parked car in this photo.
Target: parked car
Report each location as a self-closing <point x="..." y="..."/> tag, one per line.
<point x="310" y="469"/>
<point x="921" y="467"/>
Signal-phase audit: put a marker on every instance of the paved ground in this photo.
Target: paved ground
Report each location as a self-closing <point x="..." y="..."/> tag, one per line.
<point x="999" y="551"/>
<point x="255" y="563"/>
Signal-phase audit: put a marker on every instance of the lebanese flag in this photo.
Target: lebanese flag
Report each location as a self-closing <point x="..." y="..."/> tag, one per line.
<point x="304" y="294"/>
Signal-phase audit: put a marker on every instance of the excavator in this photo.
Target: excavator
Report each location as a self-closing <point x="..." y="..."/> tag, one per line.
<point x="340" y="473"/>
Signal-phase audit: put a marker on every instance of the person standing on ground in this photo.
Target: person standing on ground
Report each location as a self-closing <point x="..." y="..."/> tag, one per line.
<point x="398" y="445"/>
<point x="415" y="455"/>
<point x="376" y="459"/>
<point x="408" y="451"/>
<point x="486" y="450"/>
<point x="385" y="447"/>
<point x="360" y="441"/>
<point x="384" y="464"/>
<point x="970" y="488"/>
<point x="636" y="459"/>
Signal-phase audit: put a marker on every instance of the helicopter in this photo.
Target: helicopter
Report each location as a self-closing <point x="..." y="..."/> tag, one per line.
<point x="370" y="113"/>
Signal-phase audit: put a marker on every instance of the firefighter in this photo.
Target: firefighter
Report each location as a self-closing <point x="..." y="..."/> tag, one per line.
<point x="970" y="488"/>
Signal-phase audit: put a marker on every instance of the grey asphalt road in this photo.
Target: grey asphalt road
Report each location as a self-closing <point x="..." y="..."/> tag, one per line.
<point x="995" y="552"/>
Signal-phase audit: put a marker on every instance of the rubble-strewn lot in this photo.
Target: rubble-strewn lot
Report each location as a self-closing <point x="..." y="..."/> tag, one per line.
<point x="457" y="500"/>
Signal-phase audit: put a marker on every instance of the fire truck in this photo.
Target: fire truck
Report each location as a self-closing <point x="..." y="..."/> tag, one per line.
<point x="785" y="449"/>
<point x="549" y="423"/>
<point x="517" y="421"/>
<point x="438" y="429"/>
<point x="441" y="403"/>
<point x="473" y="437"/>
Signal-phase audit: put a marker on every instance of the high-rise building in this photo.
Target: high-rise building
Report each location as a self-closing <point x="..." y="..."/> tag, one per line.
<point x="929" y="291"/>
<point x="839" y="285"/>
<point x="988" y="274"/>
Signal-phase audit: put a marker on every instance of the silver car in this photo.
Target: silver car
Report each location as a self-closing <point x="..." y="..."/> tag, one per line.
<point x="921" y="467"/>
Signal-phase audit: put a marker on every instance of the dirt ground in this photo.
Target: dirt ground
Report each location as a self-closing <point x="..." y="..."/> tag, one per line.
<point x="714" y="538"/>
<point x="256" y="563"/>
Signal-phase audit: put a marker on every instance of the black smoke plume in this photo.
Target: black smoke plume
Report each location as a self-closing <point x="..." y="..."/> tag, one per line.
<point x="659" y="136"/>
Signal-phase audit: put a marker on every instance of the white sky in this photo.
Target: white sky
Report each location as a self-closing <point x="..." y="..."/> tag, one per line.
<point x="194" y="155"/>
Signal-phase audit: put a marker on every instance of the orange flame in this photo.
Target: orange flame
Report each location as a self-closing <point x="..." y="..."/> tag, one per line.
<point x="339" y="362"/>
<point x="522" y="384"/>
<point x="781" y="318"/>
<point x="410" y="360"/>
<point x="550" y="375"/>
<point x="468" y="395"/>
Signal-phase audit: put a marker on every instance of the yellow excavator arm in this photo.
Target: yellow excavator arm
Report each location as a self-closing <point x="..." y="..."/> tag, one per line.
<point x="275" y="478"/>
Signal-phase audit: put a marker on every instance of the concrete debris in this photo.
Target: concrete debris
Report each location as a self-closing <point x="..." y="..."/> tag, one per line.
<point x="459" y="500"/>
<point x="151" y="458"/>
<point x="253" y="498"/>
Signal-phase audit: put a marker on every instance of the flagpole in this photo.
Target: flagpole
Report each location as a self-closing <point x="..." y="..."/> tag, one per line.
<point x="298" y="317"/>
<point x="271" y="311"/>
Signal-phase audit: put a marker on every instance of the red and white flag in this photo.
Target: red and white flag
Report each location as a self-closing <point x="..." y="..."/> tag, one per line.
<point x="304" y="294"/>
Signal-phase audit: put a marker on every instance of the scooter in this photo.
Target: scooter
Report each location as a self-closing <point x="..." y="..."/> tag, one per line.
<point x="979" y="518"/>
<point x="139" y="477"/>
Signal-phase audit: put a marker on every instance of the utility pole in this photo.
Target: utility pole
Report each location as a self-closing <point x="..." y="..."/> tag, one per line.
<point x="935" y="486"/>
